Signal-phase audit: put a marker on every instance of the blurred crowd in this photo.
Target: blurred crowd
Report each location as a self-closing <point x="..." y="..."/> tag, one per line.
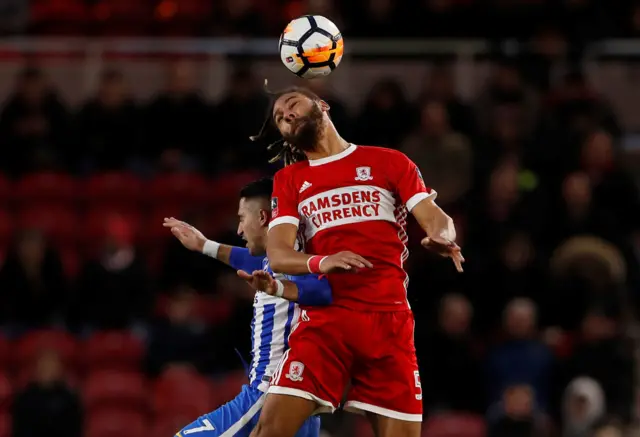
<point x="533" y="336"/>
<point x="96" y="300"/>
<point x="581" y="20"/>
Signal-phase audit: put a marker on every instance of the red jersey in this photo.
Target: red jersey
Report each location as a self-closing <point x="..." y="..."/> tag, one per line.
<point x="356" y="200"/>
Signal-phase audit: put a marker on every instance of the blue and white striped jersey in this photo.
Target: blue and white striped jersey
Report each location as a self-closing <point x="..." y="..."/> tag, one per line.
<point x="274" y="317"/>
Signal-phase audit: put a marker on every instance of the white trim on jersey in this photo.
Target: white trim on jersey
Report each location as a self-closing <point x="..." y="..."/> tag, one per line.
<point x="285" y="219"/>
<point x="419" y="197"/>
<point x="338" y="156"/>
<point x="360" y="408"/>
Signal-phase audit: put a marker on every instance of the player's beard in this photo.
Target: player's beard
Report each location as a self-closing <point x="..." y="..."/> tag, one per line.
<point x="306" y="132"/>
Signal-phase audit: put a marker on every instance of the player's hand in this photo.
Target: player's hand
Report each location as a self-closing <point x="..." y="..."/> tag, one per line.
<point x="190" y="237"/>
<point x="446" y="248"/>
<point x="260" y="280"/>
<point x="344" y="261"/>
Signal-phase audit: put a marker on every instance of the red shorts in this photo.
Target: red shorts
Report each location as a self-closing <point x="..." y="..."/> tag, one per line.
<point x="374" y="351"/>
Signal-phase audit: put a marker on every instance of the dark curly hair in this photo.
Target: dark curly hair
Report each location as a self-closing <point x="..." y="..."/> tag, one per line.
<point x="284" y="151"/>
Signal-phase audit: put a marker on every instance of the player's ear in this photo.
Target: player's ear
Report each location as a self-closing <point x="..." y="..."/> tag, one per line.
<point x="265" y="217"/>
<point x="324" y="106"/>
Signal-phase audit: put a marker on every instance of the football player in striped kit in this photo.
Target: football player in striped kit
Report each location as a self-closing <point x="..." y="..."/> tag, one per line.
<point x="275" y="311"/>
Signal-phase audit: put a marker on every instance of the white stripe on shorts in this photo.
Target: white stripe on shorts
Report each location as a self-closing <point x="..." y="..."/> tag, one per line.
<point x="233" y="430"/>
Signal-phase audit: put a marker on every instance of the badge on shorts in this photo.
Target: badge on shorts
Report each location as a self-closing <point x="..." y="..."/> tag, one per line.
<point x="295" y="371"/>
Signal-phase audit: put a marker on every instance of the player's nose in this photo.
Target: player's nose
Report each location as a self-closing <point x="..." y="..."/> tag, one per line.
<point x="290" y="116"/>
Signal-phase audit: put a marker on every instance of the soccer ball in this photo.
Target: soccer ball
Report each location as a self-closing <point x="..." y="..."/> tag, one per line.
<point x="311" y="46"/>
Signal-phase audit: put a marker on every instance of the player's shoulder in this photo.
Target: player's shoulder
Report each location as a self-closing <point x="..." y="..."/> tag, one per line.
<point x="292" y="169"/>
<point x="383" y="154"/>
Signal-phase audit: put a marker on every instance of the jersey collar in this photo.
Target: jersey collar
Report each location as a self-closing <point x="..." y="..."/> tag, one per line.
<point x="346" y="152"/>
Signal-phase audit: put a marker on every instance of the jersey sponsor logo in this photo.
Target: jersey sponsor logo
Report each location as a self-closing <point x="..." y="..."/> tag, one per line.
<point x="295" y="371"/>
<point x="207" y="426"/>
<point x="304" y="186"/>
<point x="363" y="174"/>
<point x="346" y="205"/>
<point x="274" y="207"/>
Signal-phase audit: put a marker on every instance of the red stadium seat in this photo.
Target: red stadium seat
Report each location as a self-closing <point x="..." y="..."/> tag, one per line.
<point x="225" y="190"/>
<point x="5" y="189"/>
<point x="454" y="425"/>
<point x="108" y="388"/>
<point x="6" y="392"/>
<point x="70" y="262"/>
<point x="118" y="350"/>
<point x="5" y="352"/>
<point x="95" y="226"/>
<point x="121" y="17"/>
<point x="180" y="191"/>
<point x="59" y="17"/>
<point x="59" y="224"/>
<point x="182" y="391"/>
<point x="48" y="188"/>
<point x="183" y="17"/>
<point x="115" y="189"/>
<point x="6" y="227"/>
<point x="208" y="309"/>
<point x="5" y="424"/>
<point x="32" y="343"/>
<point x="228" y="387"/>
<point x="116" y="423"/>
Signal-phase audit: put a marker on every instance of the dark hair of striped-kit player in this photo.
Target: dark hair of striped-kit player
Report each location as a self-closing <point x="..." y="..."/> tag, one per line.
<point x="258" y="189"/>
<point x="284" y="151"/>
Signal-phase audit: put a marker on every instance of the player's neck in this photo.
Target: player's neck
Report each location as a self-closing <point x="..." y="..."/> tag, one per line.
<point x="330" y="144"/>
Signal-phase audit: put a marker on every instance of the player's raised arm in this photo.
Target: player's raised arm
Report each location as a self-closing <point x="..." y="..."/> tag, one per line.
<point x="420" y="201"/>
<point x="237" y="257"/>
<point x="283" y="231"/>
<point x="306" y="290"/>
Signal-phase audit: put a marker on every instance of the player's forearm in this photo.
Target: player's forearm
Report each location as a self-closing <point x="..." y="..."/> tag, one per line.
<point x="221" y="252"/>
<point x="290" y="291"/>
<point x="433" y="220"/>
<point x="287" y="261"/>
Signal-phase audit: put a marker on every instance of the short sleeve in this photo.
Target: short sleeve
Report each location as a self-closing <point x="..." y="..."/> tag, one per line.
<point x="284" y="202"/>
<point x="410" y="185"/>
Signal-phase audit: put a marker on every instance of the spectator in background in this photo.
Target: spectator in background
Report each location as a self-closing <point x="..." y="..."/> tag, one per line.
<point x="586" y="272"/>
<point x="108" y="125"/>
<point x="439" y="85"/>
<point x="517" y="415"/>
<point x="614" y="190"/>
<point x="177" y="119"/>
<point x="14" y="16"/>
<point x="521" y="358"/>
<point x="239" y="115"/>
<point x="373" y="18"/>
<point x="605" y="355"/>
<point x="506" y="88"/>
<point x="516" y="270"/>
<point x="113" y="290"/>
<point x="386" y="116"/>
<point x="33" y="289"/>
<point x="47" y="406"/>
<point x="180" y="337"/>
<point x="444" y="156"/>
<point x="34" y="125"/>
<point x="583" y="406"/>
<point x="450" y="374"/>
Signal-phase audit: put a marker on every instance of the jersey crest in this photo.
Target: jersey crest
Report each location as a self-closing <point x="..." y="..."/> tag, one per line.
<point x="363" y="174"/>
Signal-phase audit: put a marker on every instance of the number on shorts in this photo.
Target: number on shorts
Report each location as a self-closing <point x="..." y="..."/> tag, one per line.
<point x="416" y="376"/>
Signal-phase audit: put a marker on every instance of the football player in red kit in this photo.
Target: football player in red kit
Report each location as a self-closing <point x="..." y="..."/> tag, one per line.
<point x="349" y="204"/>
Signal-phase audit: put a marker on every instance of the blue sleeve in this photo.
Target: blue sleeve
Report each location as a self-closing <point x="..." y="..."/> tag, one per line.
<point x="312" y="290"/>
<point x="241" y="259"/>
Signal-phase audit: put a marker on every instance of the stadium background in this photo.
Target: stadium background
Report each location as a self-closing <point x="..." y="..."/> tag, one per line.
<point x="521" y="113"/>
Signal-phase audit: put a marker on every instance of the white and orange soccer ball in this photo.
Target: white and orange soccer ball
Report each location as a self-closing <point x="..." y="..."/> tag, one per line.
<point x="311" y="46"/>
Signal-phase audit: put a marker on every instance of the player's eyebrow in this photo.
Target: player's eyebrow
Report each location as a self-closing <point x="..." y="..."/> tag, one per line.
<point x="279" y="111"/>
